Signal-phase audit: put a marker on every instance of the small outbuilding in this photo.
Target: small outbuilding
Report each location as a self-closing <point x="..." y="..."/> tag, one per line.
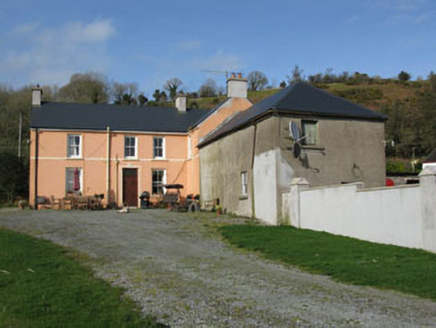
<point x="299" y="132"/>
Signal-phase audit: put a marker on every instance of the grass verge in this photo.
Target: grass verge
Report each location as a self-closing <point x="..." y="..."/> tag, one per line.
<point x="41" y="285"/>
<point x="344" y="259"/>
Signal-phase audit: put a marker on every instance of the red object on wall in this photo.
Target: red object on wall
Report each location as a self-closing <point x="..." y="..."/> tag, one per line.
<point x="389" y="182"/>
<point x="76" y="185"/>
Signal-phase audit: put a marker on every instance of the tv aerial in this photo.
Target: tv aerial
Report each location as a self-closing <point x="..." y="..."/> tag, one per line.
<point x="227" y="74"/>
<point x="295" y="135"/>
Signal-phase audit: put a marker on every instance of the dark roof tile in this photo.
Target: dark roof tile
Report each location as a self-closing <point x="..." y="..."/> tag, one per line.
<point x="73" y="116"/>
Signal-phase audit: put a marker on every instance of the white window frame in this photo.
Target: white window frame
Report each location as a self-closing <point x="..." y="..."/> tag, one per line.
<point x="164" y="180"/>
<point x="163" y="148"/>
<point x="70" y="182"/>
<point x="306" y="141"/>
<point x="244" y="184"/>
<point x="71" y="137"/>
<point x="135" y="156"/>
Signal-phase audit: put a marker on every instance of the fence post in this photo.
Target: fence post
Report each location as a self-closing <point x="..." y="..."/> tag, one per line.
<point x="297" y="184"/>
<point x="427" y="181"/>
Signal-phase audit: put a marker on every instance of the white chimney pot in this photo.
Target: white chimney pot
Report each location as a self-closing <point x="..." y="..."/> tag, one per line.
<point x="36" y="96"/>
<point x="181" y="103"/>
<point x="237" y="87"/>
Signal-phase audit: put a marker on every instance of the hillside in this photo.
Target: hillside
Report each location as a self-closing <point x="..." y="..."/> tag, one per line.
<point x="372" y="96"/>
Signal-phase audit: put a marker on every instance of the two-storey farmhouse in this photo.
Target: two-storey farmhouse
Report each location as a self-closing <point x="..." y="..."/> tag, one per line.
<point x="120" y="151"/>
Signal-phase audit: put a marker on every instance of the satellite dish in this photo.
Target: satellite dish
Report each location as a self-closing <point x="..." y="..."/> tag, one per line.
<point x="293" y="128"/>
<point x="297" y="150"/>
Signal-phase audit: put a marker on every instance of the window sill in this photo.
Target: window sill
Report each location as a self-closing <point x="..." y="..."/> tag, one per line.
<point x="75" y="157"/>
<point x="312" y="147"/>
<point x="243" y="197"/>
<point x="130" y="158"/>
<point x="159" y="159"/>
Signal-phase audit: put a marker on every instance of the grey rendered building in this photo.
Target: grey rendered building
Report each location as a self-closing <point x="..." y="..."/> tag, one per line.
<point x="250" y="161"/>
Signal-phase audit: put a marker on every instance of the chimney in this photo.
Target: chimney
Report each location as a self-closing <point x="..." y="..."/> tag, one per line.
<point x="36" y="96"/>
<point x="181" y="102"/>
<point x="236" y="86"/>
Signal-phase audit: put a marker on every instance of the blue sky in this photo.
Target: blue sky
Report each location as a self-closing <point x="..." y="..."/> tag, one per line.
<point x="149" y="42"/>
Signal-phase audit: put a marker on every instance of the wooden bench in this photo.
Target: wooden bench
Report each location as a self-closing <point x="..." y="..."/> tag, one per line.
<point x="170" y="199"/>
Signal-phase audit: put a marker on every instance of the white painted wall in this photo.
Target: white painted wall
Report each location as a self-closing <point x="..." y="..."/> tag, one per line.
<point x="378" y="215"/>
<point x="424" y="165"/>
<point x="403" y="216"/>
<point x="265" y="186"/>
<point x="237" y="88"/>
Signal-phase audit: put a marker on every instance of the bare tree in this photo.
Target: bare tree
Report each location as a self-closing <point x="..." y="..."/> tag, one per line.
<point x="296" y="75"/>
<point x="125" y="93"/>
<point x="257" y="80"/>
<point x="208" y="88"/>
<point x="143" y="100"/>
<point x="172" y="86"/>
<point x="89" y="87"/>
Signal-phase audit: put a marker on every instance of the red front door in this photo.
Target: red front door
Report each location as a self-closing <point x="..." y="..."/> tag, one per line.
<point x="130" y="187"/>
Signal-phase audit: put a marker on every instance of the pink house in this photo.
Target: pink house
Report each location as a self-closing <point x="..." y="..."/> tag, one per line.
<point x="120" y="151"/>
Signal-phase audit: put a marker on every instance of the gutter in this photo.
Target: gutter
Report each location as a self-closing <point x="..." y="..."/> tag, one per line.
<point x="35" y="202"/>
<point x="108" y="164"/>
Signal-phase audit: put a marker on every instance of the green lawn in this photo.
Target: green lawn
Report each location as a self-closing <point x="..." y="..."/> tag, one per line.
<point x="345" y="259"/>
<point x="41" y="285"/>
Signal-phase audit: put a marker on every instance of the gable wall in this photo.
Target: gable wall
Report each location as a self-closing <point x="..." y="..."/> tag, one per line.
<point x="221" y="165"/>
<point x="216" y="119"/>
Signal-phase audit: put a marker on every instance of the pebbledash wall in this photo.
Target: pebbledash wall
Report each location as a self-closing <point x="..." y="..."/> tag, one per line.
<point x="402" y="216"/>
<point x="349" y="151"/>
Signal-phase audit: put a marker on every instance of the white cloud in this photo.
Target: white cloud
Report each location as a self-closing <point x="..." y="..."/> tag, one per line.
<point x="403" y="11"/>
<point x="33" y="53"/>
<point x="399" y="5"/>
<point x="99" y="31"/>
<point x="189" y="45"/>
<point x="425" y="17"/>
<point x="222" y="62"/>
<point x="352" y="19"/>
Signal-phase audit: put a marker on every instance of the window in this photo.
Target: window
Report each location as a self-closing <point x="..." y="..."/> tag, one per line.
<point x="130" y="147"/>
<point x="74" y="149"/>
<point x="244" y="184"/>
<point x="159" y="147"/>
<point x="159" y="178"/>
<point x="73" y="180"/>
<point x="310" y="132"/>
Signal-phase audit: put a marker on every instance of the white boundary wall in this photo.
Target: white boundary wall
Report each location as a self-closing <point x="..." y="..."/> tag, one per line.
<point x="403" y="216"/>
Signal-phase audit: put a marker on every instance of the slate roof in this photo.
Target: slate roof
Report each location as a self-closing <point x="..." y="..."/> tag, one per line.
<point x="430" y="158"/>
<point x="299" y="99"/>
<point x="74" y="116"/>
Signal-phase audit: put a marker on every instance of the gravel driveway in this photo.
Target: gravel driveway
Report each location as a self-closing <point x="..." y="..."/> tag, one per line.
<point x="181" y="272"/>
